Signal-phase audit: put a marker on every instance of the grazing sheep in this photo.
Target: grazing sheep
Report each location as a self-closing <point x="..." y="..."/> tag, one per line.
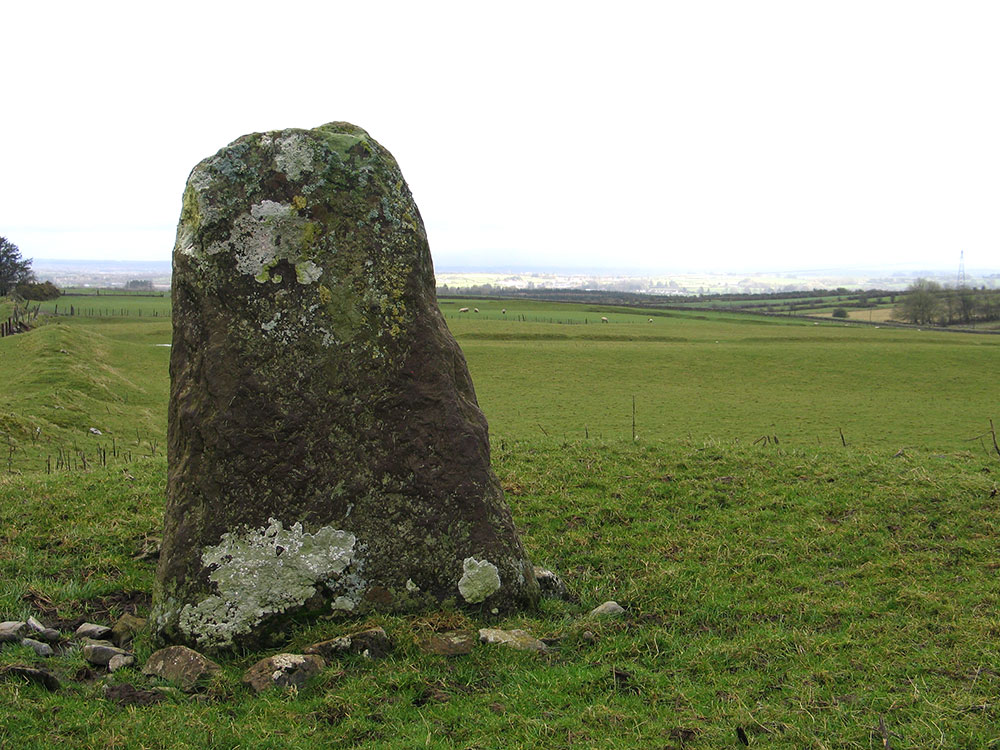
<point x="650" y="320"/>
<point x="603" y="319"/>
<point x="475" y="309"/>
<point x="463" y="309"/>
<point x="504" y="311"/>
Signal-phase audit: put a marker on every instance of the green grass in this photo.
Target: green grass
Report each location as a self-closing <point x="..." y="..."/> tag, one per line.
<point x="802" y="592"/>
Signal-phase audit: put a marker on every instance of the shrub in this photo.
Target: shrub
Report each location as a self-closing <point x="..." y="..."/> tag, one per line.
<point x="840" y="312"/>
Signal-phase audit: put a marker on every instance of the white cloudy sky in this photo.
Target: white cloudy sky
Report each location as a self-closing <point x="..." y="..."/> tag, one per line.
<point x="708" y="134"/>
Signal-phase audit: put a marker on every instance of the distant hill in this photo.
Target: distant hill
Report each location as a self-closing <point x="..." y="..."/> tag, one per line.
<point x="102" y="273"/>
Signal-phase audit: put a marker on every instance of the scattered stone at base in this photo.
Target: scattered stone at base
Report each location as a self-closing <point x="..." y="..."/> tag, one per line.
<point x="40" y="676"/>
<point x="101" y="653"/>
<point x="120" y="661"/>
<point x="126" y="628"/>
<point x="373" y="643"/>
<point x="518" y="639"/>
<point x="451" y="643"/>
<point x="11" y="631"/>
<point x="35" y="625"/>
<point x="41" y="649"/>
<point x="588" y="637"/>
<point x="551" y="585"/>
<point x="608" y="609"/>
<point x="283" y="671"/>
<point x="92" y="630"/>
<point x="180" y="665"/>
<point x="129" y="695"/>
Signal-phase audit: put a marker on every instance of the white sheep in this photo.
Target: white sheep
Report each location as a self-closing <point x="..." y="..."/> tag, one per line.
<point x="504" y="311"/>
<point x="463" y="309"/>
<point x="603" y="319"/>
<point x="475" y="309"/>
<point x="650" y="320"/>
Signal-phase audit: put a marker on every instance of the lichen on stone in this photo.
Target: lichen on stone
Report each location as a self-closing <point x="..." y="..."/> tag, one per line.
<point x="263" y="571"/>
<point x="480" y="579"/>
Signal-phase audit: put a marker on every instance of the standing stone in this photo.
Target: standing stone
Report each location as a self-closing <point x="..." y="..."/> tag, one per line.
<point x="325" y="447"/>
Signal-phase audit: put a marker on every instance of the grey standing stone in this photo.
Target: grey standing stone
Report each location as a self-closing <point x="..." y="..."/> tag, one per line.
<point x="326" y="451"/>
<point x="283" y="671"/>
<point x="41" y="649"/>
<point x="180" y="665"/>
<point x="12" y="631"/>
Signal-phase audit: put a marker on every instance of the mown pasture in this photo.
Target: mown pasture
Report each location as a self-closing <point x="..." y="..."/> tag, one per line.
<point x="798" y="593"/>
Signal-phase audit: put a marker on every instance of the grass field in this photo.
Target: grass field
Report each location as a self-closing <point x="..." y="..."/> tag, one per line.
<point x="802" y="593"/>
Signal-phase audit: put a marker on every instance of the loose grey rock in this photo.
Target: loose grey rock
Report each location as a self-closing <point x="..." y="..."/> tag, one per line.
<point x="42" y="649"/>
<point x="283" y="670"/>
<point x="181" y="665"/>
<point x="128" y="695"/>
<point x="126" y="628"/>
<point x="49" y="635"/>
<point x="40" y="676"/>
<point x="120" y="661"/>
<point x="588" y="637"/>
<point x="373" y="643"/>
<point x="100" y="654"/>
<point x="550" y="584"/>
<point x="306" y="329"/>
<point x="519" y="639"/>
<point x="12" y="631"/>
<point x="35" y="625"/>
<point x="450" y="643"/>
<point x="93" y="631"/>
<point x="608" y="609"/>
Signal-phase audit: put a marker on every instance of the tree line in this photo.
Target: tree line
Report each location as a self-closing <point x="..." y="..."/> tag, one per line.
<point x="17" y="277"/>
<point x="927" y="302"/>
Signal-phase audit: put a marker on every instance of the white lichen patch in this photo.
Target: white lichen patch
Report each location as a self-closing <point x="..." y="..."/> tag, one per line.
<point x="263" y="571"/>
<point x="307" y="272"/>
<point x="294" y="155"/>
<point x="411" y="586"/>
<point x="480" y="579"/>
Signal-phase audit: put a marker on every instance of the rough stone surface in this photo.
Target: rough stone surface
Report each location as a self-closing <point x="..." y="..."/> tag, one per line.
<point x="550" y="584"/>
<point x="12" y="631"/>
<point x="180" y="665"/>
<point x="283" y="671"/>
<point x="41" y="649"/>
<point x="373" y="643"/>
<point x="325" y="448"/>
<point x="92" y="630"/>
<point x="518" y="639"/>
<point x="129" y="695"/>
<point x="450" y="643"/>
<point x="608" y="609"/>
<point x="126" y="628"/>
<point x="120" y="661"/>
<point x="100" y="654"/>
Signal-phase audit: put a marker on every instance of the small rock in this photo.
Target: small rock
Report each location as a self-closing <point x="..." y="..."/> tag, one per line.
<point x="49" y="635"/>
<point x="92" y="630"/>
<point x="129" y="695"/>
<point x="608" y="609"/>
<point x="518" y="639"/>
<point x="283" y="670"/>
<point x="100" y="654"/>
<point x="550" y="584"/>
<point x="12" y="631"/>
<point x="120" y="661"/>
<point x="42" y="649"/>
<point x="372" y="642"/>
<point x="451" y="643"/>
<point x="46" y="679"/>
<point x="181" y="665"/>
<point x="95" y="431"/>
<point x="126" y="628"/>
<point x="588" y="637"/>
<point x="35" y="625"/>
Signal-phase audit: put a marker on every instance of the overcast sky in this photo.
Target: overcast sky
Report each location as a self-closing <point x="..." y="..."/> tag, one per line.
<point x="654" y="136"/>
